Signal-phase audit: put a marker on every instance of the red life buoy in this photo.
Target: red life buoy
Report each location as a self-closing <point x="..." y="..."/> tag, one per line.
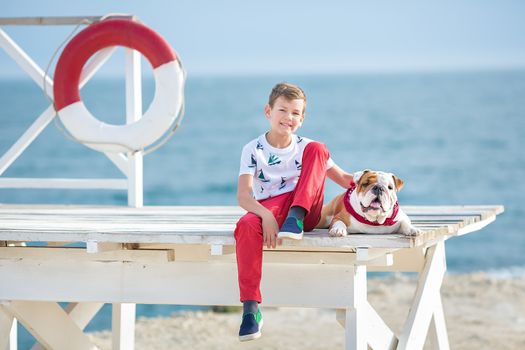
<point x="166" y="104"/>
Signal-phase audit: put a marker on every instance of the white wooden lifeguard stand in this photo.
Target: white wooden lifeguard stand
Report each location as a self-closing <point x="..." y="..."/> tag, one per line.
<point x="185" y="255"/>
<point x="131" y="164"/>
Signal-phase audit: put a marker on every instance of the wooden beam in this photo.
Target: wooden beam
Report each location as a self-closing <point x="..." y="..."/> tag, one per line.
<point x="50" y="325"/>
<point x="53" y="21"/>
<point x="85" y="184"/>
<point x="7" y="322"/>
<point x="80" y="254"/>
<point x="426" y="300"/>
<point x="27" y="138"/>
<point x="80" y="313"/>
<point x="380" y="336"/>
<point x="26" y="63"/>
<point x="174" y="283"/>
<point x="97" y="247"/>
<point x="404" y="260"/>
<point x="438" y="329"/>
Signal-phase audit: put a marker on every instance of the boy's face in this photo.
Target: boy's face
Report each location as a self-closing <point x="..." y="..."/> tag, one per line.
<point x="286" y="116"/>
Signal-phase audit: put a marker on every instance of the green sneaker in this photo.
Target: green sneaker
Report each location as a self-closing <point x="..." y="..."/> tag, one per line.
<point x="251" y="326"/>
<point x="292" y="228"/>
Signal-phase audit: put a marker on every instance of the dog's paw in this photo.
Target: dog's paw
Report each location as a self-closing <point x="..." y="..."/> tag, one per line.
<point x="338" y="229"/>
<point x="412" y="231"/>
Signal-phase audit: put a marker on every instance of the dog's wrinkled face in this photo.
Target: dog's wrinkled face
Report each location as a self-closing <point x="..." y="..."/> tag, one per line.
<point x="377" y="194"/>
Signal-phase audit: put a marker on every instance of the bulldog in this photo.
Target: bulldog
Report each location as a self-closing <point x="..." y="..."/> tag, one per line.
<point x="368" y="206"/>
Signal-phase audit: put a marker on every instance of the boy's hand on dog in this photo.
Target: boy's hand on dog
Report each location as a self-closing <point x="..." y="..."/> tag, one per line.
<point x="270" y="230"/>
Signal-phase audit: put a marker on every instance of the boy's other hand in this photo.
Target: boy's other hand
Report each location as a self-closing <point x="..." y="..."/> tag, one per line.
<point x="270" y="231"/>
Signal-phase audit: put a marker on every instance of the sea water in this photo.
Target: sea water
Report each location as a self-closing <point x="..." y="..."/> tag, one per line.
<point x="454" y="138"/>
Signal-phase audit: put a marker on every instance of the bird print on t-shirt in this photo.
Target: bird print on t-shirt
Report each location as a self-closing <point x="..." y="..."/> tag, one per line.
<point x="273" y="160"/>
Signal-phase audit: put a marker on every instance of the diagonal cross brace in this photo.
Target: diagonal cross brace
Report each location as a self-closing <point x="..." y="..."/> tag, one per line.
<point x="46" y="84"/>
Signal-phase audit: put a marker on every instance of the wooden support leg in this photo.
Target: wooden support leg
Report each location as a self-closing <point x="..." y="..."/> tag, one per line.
<point x="123" y="326"/>
<point x="427" y="302"/>
<point x="80" y="313"/>
<point x="13" y="336"/>
<point x="355" y="328"/>
<point x="380" y="336"/>
<point x="49" y="324"/>
<point x="438" y="328"/>
<point x="8" y="325"/>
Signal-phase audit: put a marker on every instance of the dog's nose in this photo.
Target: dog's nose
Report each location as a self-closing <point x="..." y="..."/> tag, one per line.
<point x="377" y="190"/>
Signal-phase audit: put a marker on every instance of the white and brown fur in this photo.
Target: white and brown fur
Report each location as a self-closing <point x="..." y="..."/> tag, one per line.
<point x="374" y="198"/>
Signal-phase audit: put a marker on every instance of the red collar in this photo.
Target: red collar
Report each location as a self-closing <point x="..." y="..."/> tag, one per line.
<point x="388" y="222"/>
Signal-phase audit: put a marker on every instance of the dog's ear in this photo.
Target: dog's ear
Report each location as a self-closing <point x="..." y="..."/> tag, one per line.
<point x="399" y="183"/>
<point x="358" y="174"/>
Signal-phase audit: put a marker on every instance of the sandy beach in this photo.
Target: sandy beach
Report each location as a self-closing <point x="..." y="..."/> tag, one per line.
<point x="482" y="312"/>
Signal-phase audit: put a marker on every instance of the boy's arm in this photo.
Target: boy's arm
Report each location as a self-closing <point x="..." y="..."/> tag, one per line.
<point x="247" y="202"/>
<point x="339" y="176"/>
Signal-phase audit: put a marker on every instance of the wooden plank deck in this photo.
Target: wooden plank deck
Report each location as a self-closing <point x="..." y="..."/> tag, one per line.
<point x="175" y="263"/>
<point x="212" y="225"/>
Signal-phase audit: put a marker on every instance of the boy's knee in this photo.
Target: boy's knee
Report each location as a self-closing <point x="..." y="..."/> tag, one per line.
<point x="317" y="148"/>
<point x="247" y="223"/>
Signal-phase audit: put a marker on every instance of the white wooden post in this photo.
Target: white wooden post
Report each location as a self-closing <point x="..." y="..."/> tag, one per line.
<point x="438" y="328"/>
<point x="355" y="328"/>
<point x="8" y="330"/>
<point x="123" y="325"/>
<point x="427" y="304"/>
<point x="13" y="336"/>
<point x="133" y="114"/>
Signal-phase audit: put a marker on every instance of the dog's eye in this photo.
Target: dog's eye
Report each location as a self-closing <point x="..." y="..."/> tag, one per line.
<point x="390" y="187"/>
<point x="365" y="184"/>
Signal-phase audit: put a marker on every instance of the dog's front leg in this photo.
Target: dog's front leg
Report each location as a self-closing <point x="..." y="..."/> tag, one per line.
<point x="408" y="229"/>
<point x="338" y="226"/>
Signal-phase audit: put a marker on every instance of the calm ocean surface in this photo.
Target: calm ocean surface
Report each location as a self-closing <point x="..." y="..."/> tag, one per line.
<point x="455" y="138"/>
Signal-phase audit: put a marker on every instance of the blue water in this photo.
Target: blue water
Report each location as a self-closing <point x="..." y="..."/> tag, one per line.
<point x="454" y="138"/>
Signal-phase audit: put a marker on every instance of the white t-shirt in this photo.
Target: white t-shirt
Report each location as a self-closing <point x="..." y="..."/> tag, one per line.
<point x="275" y="170"/>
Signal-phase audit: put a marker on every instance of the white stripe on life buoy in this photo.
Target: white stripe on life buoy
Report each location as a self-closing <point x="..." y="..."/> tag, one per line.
<point x="166" y="104"/>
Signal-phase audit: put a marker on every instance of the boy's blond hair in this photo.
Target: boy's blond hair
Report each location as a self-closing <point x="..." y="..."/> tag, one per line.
<point x="288" y="91"/>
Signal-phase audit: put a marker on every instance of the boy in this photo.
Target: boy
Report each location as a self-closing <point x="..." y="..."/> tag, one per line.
<point x="281" y="182"/>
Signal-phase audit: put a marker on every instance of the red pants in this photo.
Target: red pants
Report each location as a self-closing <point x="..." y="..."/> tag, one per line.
<point x="308" y="194"/>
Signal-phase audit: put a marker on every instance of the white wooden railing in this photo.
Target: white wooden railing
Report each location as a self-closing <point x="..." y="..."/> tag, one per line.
<point x="130" y="164"/>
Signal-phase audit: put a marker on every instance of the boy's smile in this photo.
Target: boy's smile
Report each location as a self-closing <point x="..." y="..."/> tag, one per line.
<point x="286" y="116"/>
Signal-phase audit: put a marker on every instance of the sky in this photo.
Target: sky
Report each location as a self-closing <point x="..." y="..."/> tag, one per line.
<point x="236" y="37"/>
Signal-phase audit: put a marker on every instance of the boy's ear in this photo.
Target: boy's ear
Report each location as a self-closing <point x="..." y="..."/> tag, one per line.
<point x="267" y="110"/>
